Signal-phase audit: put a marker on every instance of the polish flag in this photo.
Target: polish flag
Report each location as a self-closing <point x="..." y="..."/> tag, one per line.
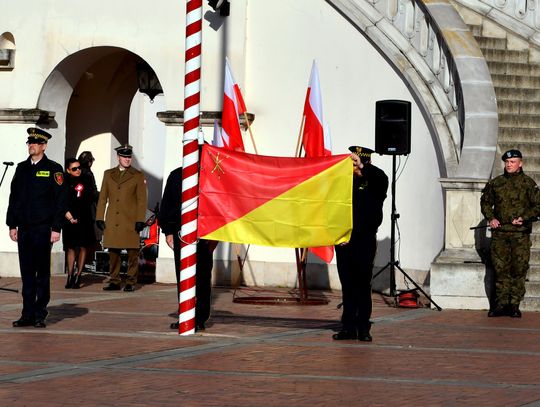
<point x="233" y="106"/>
<point x="313" y="139"/>
<point x="316" y="139"/>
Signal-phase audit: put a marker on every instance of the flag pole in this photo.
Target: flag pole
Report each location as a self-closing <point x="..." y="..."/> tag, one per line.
<point x="250" y="133"/>
<point x="190" y="172"/>
<point x="301" y="253"/>
<point x="299" y="141"/>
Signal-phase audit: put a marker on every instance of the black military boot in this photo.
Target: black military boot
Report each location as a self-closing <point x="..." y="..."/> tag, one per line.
<point x="514" y="311"/>
<point x="498" y="311"/>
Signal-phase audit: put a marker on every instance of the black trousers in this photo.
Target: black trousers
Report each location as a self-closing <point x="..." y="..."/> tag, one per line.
<point x="34" y="245"/>
<point x="355" y="269"/>
<point x="203" y="278"/>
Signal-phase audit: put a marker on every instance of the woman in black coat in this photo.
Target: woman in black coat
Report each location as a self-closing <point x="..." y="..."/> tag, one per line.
<point x="78" y="232"/>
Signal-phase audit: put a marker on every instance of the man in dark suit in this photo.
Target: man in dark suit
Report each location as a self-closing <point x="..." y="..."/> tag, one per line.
<point x="37" y="206"/>
<point x="169" y="221"/>
<point x="355" y="258"/>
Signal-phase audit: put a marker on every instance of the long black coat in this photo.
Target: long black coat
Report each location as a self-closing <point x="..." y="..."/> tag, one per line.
<point x="80" y="201"/>
<point x="38" y="195"/>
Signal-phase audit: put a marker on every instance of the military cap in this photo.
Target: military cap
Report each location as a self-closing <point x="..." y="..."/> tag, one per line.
<point x="363" y="152"/>
<point x="511" y="154"/>
<point x="37" y="136"/>
<point x="124" y="150"/>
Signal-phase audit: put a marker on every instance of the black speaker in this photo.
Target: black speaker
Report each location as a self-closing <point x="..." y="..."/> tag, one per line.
<point x="393" y="127"/>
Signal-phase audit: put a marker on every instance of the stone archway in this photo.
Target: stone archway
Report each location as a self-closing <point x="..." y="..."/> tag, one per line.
<point x="93" y="93"/>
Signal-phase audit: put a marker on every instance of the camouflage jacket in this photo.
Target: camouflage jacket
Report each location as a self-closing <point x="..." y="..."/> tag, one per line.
<point x="510" y="196"/>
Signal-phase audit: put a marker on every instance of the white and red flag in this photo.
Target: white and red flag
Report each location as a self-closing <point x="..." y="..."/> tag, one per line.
<point x="316" y="138"/>
<point x="233" y="107"/>
<point x="313" y="139"/>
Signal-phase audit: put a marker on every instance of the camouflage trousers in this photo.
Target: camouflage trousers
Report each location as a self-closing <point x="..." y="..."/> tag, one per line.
<point x="510" y="253"/>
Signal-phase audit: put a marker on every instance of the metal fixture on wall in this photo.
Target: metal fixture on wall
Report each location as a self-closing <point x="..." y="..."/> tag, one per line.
<point x="148" y="81"/>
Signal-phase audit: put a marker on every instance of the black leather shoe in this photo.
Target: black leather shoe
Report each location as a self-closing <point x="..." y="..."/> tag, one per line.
<point x="515" y="312"/>
<point x="76" y="282"/>
<point x="498" y="311"/>
<point x="199" y="327"/>
<point x="129" y="288"/>
<point x="344" y="335"/>
<point x="39" y="323"/>
<point x="22" y="322"/>
<point x="175" y="325"/>
<point x="111" y="287"/>
<point x="69" y="282"/>
<point x="364" y="337"/>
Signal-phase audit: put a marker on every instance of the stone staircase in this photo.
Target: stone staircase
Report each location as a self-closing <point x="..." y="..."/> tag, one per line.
<point x="517" y="86"/>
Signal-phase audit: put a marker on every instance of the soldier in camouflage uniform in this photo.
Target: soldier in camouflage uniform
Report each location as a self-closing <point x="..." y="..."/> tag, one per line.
<point x="510" y="202"/>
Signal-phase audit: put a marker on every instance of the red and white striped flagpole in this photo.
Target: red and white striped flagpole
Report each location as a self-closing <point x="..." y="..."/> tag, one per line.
<point x="190" y="172"/>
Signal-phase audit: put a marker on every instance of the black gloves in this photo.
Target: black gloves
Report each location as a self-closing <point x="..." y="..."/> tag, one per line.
<point x="100" y="224"/>
<point x="139" y="226"/>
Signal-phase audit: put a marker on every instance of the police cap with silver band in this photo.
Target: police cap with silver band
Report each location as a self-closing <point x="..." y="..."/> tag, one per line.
<point x="363" y="152"/>
<point x="124" y="150"/>
<point x="511" y="154"/>
<point x="37" y="136"/>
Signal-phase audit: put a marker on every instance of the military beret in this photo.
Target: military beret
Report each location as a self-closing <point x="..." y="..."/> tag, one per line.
<point x="124" y="150"/>
<point x="511" y="154"/>
<point x="363" y="152"/>
<point x="37" y="136"/>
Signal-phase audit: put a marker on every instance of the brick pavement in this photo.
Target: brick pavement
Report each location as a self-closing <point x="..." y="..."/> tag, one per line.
<point x="115" y="349"/>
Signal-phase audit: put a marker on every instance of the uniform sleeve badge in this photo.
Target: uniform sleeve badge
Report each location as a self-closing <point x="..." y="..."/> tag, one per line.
<point x="59" y="178"/>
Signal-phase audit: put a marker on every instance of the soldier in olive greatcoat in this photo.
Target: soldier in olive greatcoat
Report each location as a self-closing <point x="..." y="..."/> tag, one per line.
<point x="510" y="203"/>
<point x="121" y="213"/>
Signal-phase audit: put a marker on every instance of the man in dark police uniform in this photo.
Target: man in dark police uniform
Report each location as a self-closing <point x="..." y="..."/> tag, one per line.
<point x="35" y="215"/>
<point x="355" y="258"/>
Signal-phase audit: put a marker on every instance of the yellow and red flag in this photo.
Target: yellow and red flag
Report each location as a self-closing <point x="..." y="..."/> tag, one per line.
<point x="274" y="201"/>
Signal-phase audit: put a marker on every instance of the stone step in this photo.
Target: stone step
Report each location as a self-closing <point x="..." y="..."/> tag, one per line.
<point x="510" y="68"/>
<point x="519" y="120"/>
<point x="515" y="81"/>
<point x="532" y="289"/>
<point x="486" y="43"/>
<point x="496" y="55"/>
<point x="505" y="93"/>
<point x="535" y="257"/>
<point x="517" y="134"/>
<point x="528" y="149"/>
<point x="534" y="273"/>
<point x="536" y="176"/>
<point x="518" y="106"/>
<point x="530" y="304"/>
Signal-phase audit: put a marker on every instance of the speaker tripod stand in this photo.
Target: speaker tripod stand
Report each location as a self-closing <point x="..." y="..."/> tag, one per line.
<point x="7" y="164"/>
<point x="392" y="265"/>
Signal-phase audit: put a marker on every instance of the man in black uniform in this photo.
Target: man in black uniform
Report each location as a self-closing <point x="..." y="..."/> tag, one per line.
<point x="169" y="221"/>
<point x="355" y="258"/>
<point x="35" y="215"/>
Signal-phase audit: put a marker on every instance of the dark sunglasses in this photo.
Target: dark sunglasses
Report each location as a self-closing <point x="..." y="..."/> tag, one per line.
<point x="75" y="168"/>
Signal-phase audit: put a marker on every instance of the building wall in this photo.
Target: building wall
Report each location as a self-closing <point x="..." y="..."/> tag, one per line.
<point x="272" y="64"/>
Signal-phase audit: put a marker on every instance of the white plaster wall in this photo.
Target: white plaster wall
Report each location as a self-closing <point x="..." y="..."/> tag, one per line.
<point x="271" y="62"/>
<point x="353" y="76"/>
